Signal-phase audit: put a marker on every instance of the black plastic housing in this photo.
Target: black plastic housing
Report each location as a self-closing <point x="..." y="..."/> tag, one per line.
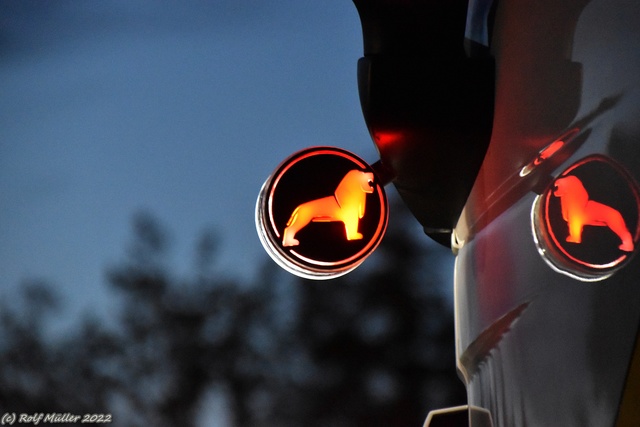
<point x="428" y="107"/>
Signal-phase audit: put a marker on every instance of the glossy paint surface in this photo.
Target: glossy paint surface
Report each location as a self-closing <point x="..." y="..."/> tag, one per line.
<point x="535" y="346"/>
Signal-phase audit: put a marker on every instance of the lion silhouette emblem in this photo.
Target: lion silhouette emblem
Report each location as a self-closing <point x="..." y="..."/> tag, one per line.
<point x="578" y="211"/>
<point x="347" y="205"/>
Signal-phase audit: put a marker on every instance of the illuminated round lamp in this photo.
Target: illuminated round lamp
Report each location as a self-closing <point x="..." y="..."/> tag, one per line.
<point x="586" y="224"/>
<point x="321" y="213"/>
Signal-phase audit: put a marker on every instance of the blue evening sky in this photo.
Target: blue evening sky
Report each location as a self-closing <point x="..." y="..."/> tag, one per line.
<point x="181" y="109"/>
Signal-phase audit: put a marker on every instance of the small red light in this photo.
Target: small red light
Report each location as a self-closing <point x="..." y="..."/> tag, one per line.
<point x="384" y="139"/>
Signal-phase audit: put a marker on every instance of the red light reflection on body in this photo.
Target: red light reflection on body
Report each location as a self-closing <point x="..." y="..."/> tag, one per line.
<point x="548" y="151"/>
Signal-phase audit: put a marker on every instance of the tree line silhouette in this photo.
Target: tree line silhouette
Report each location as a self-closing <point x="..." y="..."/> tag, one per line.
<point x="373" y="348"/>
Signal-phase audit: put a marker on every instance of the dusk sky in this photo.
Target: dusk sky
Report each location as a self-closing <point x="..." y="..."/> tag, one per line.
<point x="179" y="109"/>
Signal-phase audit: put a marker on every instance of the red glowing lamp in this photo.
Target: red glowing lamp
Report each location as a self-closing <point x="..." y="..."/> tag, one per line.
<point x="321" y="213"/>
<point x="587" y="222"/>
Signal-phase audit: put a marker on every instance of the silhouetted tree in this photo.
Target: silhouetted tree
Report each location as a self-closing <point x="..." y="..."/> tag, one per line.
<point x="379" y="341"/>
<point x="183" y="337"/>
<point x="40" y="374"/>
<point x="374" y="348"/>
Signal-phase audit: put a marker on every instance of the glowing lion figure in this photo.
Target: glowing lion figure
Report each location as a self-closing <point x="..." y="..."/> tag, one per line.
<point x="578" y="211"/>
<point x="346" y="205"/>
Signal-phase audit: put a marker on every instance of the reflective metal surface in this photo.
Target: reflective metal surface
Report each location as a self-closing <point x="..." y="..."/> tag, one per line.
<point x="537" y="347"/>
